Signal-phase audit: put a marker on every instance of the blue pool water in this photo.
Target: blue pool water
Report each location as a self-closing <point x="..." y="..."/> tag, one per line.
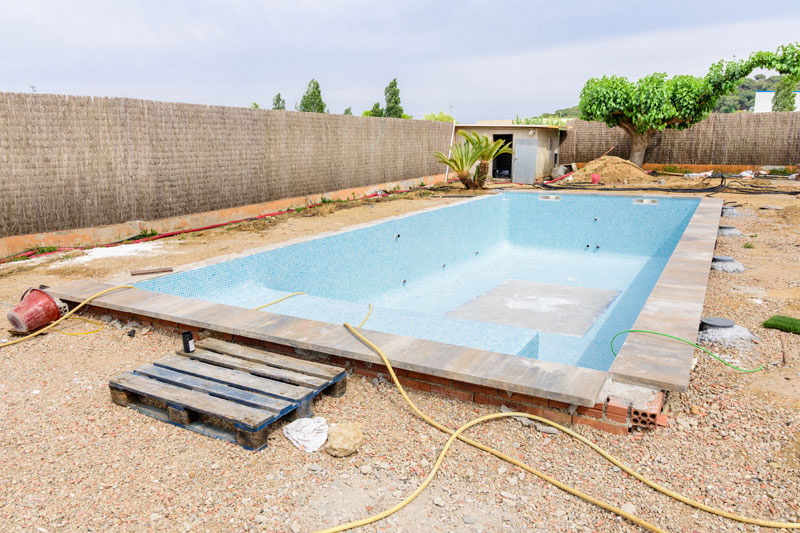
<point x="415" y="269"/>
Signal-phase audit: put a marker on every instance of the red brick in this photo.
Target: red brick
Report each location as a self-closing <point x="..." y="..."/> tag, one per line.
<point x="432" y="379"/>
<point x="414" y="384"/>
<point x="662" y="420"/>
<point x="557" y="405"/>
<point x="486" y="399"/>
<point x="528" y="399"/>
<point x="615" y="417"/>
<point x="617" y="407"/>
<point x="608" y="427"/>
<point x="463" y="395"/>
<point x="480" y="389"/>
<point x="654" y="405"/>
<point x="593" y="412"/>
<point x="556" y="416"/>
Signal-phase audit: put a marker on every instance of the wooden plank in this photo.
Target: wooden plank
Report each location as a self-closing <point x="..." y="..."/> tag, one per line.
<point x="241" y="415"/>
<point x="234" y="378"/>
<point x="258" y="369"/>
<point x="220" y="390"/>
<point x="256" y="355"/>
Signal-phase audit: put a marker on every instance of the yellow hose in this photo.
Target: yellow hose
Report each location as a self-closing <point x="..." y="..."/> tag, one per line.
<point x="365" y="318"/>
<point x="278" y="300"/>
<point x="457" y="435"/>
<point x="51" y="326"/>
<point x="76" y="333"/>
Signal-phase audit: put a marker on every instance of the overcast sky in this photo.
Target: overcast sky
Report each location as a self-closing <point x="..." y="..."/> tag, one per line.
<point x="488" y="60"/>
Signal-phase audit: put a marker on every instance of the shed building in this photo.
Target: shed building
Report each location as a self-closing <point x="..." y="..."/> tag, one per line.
<point x="535" y="149"/>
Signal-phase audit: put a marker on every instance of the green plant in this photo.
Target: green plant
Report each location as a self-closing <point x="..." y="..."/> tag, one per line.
<point x="656" y="102"/>
<point x="748" y="245"/>
<point x="488" y="151"/>
<point x="376" y="111"/>
<point x="463" y="157"/>
<point x="441" y="116"/>
<point x="255" y="105"/>
<point x="392" y="95"/>
<point x="783" y="323"/>
<point x="780" y="171"/>
<point x="279" y="103"/>
<point x="348" y="111"/>
<point x="312" y="101"/>
<point x="542" y="121"/>
<point x="325" y="200"/>
<point x="143" y="235"/>
<point x="784" y="98"/>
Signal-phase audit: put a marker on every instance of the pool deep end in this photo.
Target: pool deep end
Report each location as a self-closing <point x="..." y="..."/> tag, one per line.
<point x="523" y="274"/>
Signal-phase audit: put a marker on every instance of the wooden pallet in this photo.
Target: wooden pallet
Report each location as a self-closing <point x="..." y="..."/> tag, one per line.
<point x="227" y="391"/>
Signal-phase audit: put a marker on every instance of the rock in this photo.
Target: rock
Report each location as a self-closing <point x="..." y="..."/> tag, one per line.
<point x="155" y="517"/>
<point x="546" y="429"/>
<point x="508" y="495"/>
<point x="295" y="527"/>
<point x="469" y="518"/>
<point x="315" y="467"/>
<point x="261" y="519"/>
<point x="438" y="501"/>
<point x="383" y="465"/>
<point x="344" y="439"/>
<point x="771" y="207"/>
<point x="366" y="469"/>
<point x="521" y="419"/>
<point x="695" y="410"/>
<point x="629" y="508"/>
<point x="502" y="470"/>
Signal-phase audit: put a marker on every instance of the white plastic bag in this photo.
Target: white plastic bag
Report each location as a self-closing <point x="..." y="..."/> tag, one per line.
<point x="308" y="434"/>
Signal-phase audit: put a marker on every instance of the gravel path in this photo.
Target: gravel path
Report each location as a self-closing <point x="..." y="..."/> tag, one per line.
<point x="72" y="460"/>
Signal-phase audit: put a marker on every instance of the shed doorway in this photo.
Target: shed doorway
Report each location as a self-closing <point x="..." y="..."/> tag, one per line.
<point x="501" y="166"/>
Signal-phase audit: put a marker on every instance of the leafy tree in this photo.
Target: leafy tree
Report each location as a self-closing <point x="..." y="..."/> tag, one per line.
<point x="392" y="96"/>
<point x="312" y="102"/>
<point x="376" y="111"/>
<point x="656" y="102"/>
<point x="278" y="102"/>
<point x="567" y="112"/>
<point x="254" y="105"/>
<point x="407" y="116"/>
<point x="488" y="151"/>
<point x="348" y="111"/>
<point x="784" y="94"/>
<point x="441" y="116"/>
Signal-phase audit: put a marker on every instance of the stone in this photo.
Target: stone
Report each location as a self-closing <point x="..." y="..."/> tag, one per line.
<point x="629" y="508"/>
<point x="344" y="439"/>
<point x="521" y="419"/>
<point x="469" y="518"/>
<point x="546" y="429"/>
<point x="296" y="527"/>
<point x="261" y="519"/>
<point x="315" y="467"/>
<point x="155" y="517"/>
<point x="366" y="469"/>
<point x="508" y="495"/>
<point x="438" y="501"/>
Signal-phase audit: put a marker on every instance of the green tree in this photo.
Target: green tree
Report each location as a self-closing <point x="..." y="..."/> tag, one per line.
<point x="656" y="102"/>
<point x="376" y="111"/>
<point x="278" y="102"/>
<point x="312" y="102"/>
<point x="348" y="111"/>
<point x="392" y="95"/>
<point x="441" y="116"/>
<point x="784" y="94"/>
<point x="254" y="105"/>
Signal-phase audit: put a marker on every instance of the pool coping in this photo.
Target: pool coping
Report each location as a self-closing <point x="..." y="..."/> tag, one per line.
<point x="642" y="360"/>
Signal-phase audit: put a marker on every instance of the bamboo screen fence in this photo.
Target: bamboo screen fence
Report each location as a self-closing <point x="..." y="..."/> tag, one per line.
<point x="69" y="162"/>
<point x="721" y="139"/>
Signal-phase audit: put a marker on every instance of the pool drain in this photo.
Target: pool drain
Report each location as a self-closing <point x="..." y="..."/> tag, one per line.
<point x="729" y="231"/>
<point x="711" y="322"/>
<point x="726" y="263"/>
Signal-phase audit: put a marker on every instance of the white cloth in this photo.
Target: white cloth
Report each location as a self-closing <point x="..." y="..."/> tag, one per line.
<point x="308" y="434"/>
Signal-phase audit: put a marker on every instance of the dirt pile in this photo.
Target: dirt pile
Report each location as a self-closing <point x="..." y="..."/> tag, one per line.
<point x="612" y="170"/>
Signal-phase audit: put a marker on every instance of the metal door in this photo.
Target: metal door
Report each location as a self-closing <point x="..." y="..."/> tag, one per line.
<point x="524" y="161"/>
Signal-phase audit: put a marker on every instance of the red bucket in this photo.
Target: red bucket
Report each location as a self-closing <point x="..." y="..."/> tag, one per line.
<point x="595" y="179"/>
<point x="35" y="310"/>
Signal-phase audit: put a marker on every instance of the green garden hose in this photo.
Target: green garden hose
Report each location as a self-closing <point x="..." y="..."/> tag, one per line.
<point x="718" y="358"/>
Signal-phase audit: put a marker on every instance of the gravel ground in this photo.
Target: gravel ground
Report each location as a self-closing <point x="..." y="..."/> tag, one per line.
<point x="72" y="460"/>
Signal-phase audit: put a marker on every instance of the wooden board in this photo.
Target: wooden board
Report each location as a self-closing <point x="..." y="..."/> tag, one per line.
<point x="278" y="374"/>
<point x="311" y="368"/>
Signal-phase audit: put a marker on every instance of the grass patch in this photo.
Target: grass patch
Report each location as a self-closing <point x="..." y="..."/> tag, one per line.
<point x="780" y="171"/>
<point x="748" y="245"/>
<point x="783" y="323"/>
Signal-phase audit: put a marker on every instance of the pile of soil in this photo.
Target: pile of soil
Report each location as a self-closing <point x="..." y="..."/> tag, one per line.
<point x="612" y="170"/>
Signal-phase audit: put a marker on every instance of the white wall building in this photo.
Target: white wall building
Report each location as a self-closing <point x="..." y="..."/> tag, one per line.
<point x="764" y="101"/>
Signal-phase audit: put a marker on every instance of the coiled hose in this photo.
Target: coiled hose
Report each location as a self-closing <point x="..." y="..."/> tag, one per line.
<point x="457" y="434"/>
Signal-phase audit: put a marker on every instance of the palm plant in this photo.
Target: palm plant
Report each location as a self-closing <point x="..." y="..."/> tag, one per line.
<point x="488" y="151"/>
<point x="462" y="158"/>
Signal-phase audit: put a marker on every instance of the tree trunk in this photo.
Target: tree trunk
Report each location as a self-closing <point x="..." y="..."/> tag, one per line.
<point x="639" y="144"/>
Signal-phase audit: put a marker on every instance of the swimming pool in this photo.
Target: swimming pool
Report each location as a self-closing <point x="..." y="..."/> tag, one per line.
<point x="544" y="277"/>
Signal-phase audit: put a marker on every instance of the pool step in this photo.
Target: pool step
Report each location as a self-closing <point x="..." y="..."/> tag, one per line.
<point x="227" y="391"/>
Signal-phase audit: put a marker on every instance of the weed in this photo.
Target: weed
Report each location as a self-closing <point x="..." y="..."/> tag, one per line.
<point x="324" y="200"/>
<point x="748" y="245"/>
<point x="754" y="235"/>
<point x="780" y="171"/>
<point x="143" y="235"/>
<point x="45" y="249"/>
